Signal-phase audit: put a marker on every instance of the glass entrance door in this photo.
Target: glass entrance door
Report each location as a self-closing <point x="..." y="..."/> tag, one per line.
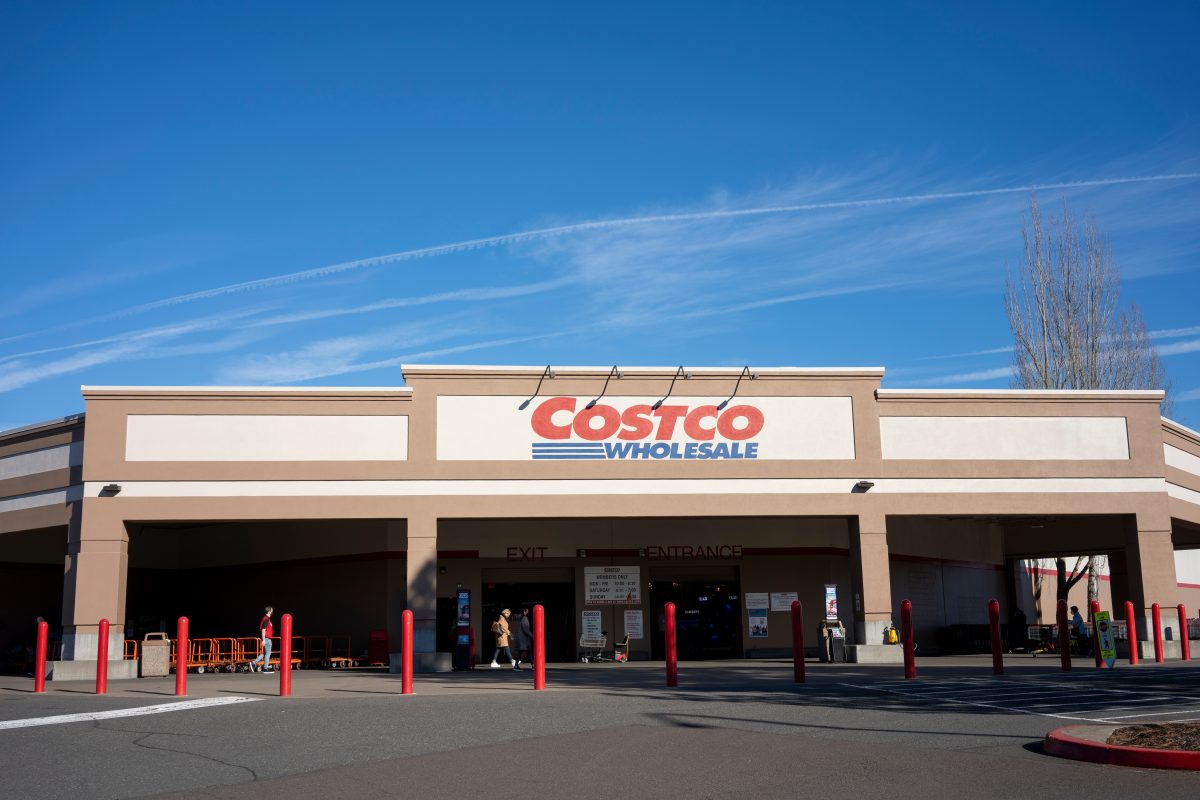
<point x="707" y="618"/>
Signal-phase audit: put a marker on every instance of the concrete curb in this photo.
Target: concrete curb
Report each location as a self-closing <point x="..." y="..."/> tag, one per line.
<point x="1087" y="743"/>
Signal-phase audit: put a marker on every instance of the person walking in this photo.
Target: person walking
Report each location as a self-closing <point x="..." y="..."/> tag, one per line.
<point x="266" y="629"/>
<point x="524" y="638"/>
<point x="1081" y="631"/>
<point x="501" y="630"/>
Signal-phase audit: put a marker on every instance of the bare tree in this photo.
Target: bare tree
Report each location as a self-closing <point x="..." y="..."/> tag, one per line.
<point x="1069" y="329"/>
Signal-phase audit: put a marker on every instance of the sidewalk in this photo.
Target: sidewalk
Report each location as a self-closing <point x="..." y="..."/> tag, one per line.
<point x="748" y="675"/>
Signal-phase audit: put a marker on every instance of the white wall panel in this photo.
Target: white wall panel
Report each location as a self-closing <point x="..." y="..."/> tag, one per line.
<point x="1005" y="438"/>
<point x="228" y="437"/>
<point x="1181" y="459"/>
<point x="47" y="460"/>
<point x="495" y="428"/>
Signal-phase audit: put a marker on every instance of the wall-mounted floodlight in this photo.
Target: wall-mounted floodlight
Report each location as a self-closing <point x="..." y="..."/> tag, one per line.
<point x="110" y="489"/>
<point x="863" y="486"/>
<point x="546" y="373"/>
<point x="611" y="373"/>
<point x="745" y="372"/>
<point x="678" y="372"/>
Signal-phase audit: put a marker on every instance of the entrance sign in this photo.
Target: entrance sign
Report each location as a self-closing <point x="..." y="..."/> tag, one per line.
<point x="1105" y="639"/>
<point x="633" y="624"/>
<point x="612" y="586"/>
<point x="563" y="428"/>
<point x="782" y="601"/>
<point x="591" y="624"/>
<point x="831" y="609"/>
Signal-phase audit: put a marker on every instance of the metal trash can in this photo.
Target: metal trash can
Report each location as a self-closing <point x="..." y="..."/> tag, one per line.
<point x="837" y="640"/>
<point x="156" y="656"/>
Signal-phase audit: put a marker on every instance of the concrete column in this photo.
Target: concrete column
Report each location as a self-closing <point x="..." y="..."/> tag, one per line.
<point x="396" y="581"/>
<point x="1149" y="571"/>
<point x="872" y="600"/>
<point x="421" y="570"/>
<point x="97" y="566"/>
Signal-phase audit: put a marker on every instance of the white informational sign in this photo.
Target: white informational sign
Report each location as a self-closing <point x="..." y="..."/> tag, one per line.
<point x="591" y="624"/>
<point x="497" y="428"/>
<point x="758" y="623"/>
<point x="757" y="601"/>
<point x="782" y="601"/>
<point x="633" y="624"/>
<point x="612" y="586"/>
<point x="831" y="609"/>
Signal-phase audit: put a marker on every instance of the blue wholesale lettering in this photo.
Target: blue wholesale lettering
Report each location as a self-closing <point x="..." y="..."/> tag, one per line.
<point x="676" y="450"/>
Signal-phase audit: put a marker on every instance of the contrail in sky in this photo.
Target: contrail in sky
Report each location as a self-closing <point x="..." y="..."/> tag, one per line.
<point x="604" y="224"/>
<point x="620" y="222"/>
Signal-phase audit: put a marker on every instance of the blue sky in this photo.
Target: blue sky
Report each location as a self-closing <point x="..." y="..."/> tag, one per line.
<point x="175" y="178"/>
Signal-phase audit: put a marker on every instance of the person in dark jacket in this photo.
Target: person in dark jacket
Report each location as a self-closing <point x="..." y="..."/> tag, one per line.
<point x="524" y="638"/>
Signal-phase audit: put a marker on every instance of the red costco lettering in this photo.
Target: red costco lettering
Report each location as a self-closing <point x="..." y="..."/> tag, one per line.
<point x="556" y="418"/>
<point x="691" y="425"/>
<point x="543" y="418"/>
<point x="752" y="416"/>
<point x="610" y="420"/>
<point x="637" y="422"/>
<point x="667" y="416"/>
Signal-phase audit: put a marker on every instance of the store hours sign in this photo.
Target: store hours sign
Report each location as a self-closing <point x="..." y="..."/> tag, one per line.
<point x="565" y="428"/>
<point x="612" y="586"/>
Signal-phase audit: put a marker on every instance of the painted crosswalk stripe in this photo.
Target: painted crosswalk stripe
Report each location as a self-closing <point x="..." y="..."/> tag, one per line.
<point x="139" y="711"/>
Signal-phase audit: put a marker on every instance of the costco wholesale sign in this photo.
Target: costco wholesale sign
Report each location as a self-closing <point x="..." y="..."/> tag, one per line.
<point x="563" y="428"/>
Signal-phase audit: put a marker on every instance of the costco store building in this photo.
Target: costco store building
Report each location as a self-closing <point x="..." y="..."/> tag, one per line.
<point x="599" y="493"/>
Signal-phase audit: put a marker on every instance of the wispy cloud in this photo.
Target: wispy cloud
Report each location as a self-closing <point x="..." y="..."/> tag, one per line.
<point x="1177" y="348"/>
<point x="966" y="377"/>
<point x="601" y="225"/>
<point x="328" y="358"/>
<point x="1188" y="396"/>
<point x="1163" y="350"/>
<point x="255" y="317"/>
<point x="149" y="343"/>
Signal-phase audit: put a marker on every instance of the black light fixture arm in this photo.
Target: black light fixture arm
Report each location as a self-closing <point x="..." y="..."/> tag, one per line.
<point x="671" y="388"/>
<point x="611" y="373"/>
<point x="744" y="373"/>
<point x="546" y="373"/>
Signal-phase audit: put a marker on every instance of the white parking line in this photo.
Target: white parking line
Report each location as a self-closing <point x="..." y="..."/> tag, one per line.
<point x="1055" y="700"/>
<point x="139" y="711"/>
<point x="1159" y="713"/>
<point x="1101" y="702"/>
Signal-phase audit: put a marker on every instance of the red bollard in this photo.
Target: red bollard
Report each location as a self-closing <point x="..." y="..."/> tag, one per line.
<point x="285" y="656"/>
<point x="406" y="652"/>
<point x="1158" y="645"/>
<point x="1185" y="648"/>
<point x="1093" y="609"/>
<point x="1131" y="632"/>
<point x="1064" y="636"/>
<point x="907" y="637"/>
<point x="102" y="659"/>
<point x="181" y="657"/>
<point x="672" y="664"/>
<point x="797" y="642"/>
<point x="539" y="647"/>
<point x="39" y="660"/>
<point x="997" y="645"/>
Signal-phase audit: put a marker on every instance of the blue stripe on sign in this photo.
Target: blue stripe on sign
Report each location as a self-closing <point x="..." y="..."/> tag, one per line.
<point x="557" y="445"/>
<point x="601" y="457"/>
<point x="568" y="449"/>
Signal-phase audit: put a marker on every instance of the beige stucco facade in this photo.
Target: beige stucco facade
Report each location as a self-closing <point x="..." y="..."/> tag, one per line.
<point x="355" y="503"/>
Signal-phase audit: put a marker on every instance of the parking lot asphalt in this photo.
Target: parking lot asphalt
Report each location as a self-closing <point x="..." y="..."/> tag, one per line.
<point x="730" y="727"/>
